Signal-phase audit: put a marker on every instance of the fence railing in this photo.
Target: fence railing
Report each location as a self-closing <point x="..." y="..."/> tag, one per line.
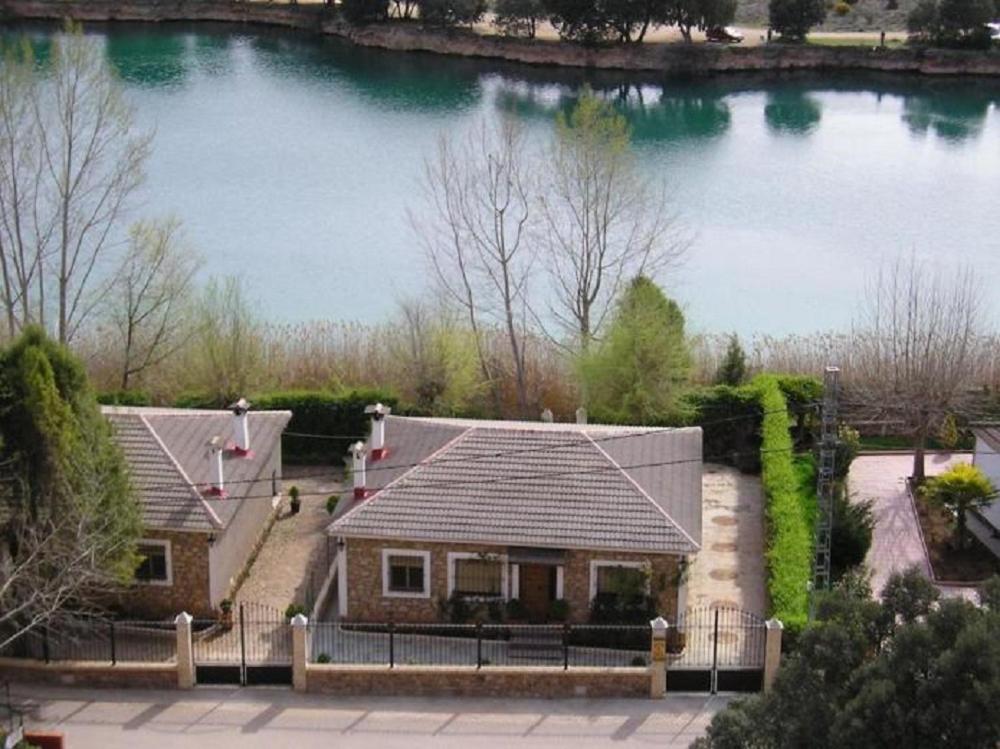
<point x="563" y="646"/>
<point x="102" y="640"/>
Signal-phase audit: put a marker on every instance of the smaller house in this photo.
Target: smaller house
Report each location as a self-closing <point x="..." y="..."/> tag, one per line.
<point x="985" y="522"/>
<point x="208" y="483"/>
<point x="557" y="517"/>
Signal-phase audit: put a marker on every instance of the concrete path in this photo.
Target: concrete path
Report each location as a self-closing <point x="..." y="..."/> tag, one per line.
<point x="729" y="569"/>
<point x="249" y="718"/>
<point x="293" y="557"/>
<point x="896" y="543"/>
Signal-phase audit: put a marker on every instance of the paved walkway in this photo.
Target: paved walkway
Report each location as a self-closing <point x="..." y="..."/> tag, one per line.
<point x="896" y="543"/>
<point x="296" y="548"/>
<point x="249" y="718"/>
<point x="729" y="569"/>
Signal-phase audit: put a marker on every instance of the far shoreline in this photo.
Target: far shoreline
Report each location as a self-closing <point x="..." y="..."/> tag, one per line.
<point x="667" y="58"/>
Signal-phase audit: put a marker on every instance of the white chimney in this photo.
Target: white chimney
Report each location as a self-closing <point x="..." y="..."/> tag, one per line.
<point x="378" y="412"/>
<point x="215" y="450"/>
<point x="241" y="426"/>
<point x="547" y="416"/>
<point x="581" y="415"/>
<point x="358" y="469"/>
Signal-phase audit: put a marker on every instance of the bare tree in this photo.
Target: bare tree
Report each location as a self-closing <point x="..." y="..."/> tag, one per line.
<point x="476" y="237"/>
<point x="604" y="224"/>
<point x="70" y="159"/>
<point x="150" y="301"/>
<point x="916" y="349"/>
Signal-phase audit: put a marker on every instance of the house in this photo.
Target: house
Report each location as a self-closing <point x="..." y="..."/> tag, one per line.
<point x="985" y="522"/>
<point x="491" y="511"/>
<point x="207" y="482"/>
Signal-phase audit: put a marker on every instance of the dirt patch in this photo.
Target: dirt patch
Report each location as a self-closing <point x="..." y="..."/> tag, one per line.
<point x="723" y="604"/>
<point x="951" y="563"/>
<point x="724" y="520"/>
<point x="725" y="546"/>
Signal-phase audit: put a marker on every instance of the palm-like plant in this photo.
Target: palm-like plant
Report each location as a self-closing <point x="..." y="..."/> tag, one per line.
<point x="961" y="488"/>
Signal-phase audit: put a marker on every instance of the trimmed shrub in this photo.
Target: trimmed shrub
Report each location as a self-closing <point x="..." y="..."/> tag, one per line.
<point x="853" y="524"/>
<point x="788" y="483"/>
<point x="730" y="421"/>
<point x="125" y="398"/>
<point x="841" y="8"/>
<point x="793" y="18"/>
<point x="293" y="610"/>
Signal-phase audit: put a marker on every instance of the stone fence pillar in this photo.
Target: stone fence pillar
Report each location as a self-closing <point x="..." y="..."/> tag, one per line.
<point x="772" y="651"/>
<point x="300" y="651"/>
<point x="658" y="658"/>
<point x="185" y="651"/>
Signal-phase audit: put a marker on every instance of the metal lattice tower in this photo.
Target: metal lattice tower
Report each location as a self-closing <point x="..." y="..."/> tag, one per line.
<point x="825" y="479"/>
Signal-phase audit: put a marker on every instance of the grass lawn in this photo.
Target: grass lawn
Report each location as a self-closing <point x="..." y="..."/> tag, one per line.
<point x="853" y="41"/>
<point x="950" y="563"/>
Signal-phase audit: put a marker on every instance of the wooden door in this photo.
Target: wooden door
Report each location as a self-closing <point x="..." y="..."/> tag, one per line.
<point x="536" y="590"/>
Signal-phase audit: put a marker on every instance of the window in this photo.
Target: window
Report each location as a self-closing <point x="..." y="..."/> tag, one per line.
<point x="405" y="573"/>
<point x="478" y="577"/>
<point x="618" y="582"/>
<point x="154" y="568"/>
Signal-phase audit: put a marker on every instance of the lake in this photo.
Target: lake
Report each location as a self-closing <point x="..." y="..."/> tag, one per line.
<point x="292" y="160"/>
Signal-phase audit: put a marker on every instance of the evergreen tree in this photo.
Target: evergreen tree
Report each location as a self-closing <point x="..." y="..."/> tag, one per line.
<point x="637" y="373"/>
<point x="733" y="369"/>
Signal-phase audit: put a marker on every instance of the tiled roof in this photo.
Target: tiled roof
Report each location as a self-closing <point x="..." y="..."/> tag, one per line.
<point x="539" y="485"/>
<point x="168" y="459"/>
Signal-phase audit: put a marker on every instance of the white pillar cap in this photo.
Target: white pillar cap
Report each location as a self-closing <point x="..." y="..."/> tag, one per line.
<point x="659" y="624"/>
<point x="774" y="624"/>
<point x="299" y="620"/>
<point x="183" y="618"/>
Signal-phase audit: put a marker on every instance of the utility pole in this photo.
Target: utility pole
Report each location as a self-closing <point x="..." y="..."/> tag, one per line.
<point x="825" y="480"/>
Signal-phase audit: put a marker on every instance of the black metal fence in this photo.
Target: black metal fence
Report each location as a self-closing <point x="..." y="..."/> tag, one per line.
<point x="563" y="646"/>
<point x="716" y="649"/>
<point x="252" y="646"/>
<point x="99" y="640"/>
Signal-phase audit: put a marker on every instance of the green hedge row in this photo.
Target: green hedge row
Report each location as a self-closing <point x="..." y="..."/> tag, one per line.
<point x="789" y="492"/>
<point x="336" y="418"/>
<point x="730" y="421"/>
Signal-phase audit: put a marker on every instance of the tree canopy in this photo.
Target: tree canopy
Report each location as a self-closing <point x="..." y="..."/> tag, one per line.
<point x="907" y="671"/>
<point x="71" y="520"/>
<point x="637" y="372"/>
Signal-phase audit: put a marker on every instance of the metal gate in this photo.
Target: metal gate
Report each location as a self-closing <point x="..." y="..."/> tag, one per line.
<point x="252" y="648"/>
<point x="716" y="649"/>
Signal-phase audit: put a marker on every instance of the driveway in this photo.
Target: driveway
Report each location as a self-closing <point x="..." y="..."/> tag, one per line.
<point x="249" y="718"/>
<point x="294" y="557"/>
<point x="896" y="542"/>
<point x="729" y="569"/>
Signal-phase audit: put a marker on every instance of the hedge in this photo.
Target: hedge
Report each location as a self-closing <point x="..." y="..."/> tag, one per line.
<point x="730" y="421"/>
<point x="790" y="512"/>
<point x="339" y="414"/>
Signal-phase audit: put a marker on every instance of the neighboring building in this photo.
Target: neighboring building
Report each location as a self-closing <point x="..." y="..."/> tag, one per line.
<point x="208" y="483"/>
<point x="985" y="523"/>
<point x="495" y="510"/>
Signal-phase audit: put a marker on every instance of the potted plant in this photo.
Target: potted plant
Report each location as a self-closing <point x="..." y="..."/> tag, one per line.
<point x="559" y="610"/>
<point x="295" y="503"/>
<point x="226" y="613"/>
<point x="331" y="503"/>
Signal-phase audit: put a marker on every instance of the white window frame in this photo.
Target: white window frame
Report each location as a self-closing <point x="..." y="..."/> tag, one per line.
<point x="454" y="556"/>
<point x="596" y="564"/>
<point x="422" y="554"/>
<point x="165" y="544"/>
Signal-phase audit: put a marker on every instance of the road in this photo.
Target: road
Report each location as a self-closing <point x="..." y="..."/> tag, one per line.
<point x="259" y="717"/>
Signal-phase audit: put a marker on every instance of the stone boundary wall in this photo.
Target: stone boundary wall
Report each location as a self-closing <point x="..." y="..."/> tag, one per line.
<point x="663" y="58"/>
<point x="90" y="674"/>
<point x="489" y="681"/>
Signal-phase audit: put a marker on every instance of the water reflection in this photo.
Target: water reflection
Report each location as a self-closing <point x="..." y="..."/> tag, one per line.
<point x="149" y="58"/>
<point x="792" y="111"/>
<point x="954" y="116"/>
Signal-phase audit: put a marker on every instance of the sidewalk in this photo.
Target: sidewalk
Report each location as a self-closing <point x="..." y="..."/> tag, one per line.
<point x="250" y="718"/>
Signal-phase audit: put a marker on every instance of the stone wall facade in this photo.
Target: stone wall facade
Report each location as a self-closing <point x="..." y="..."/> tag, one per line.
<point x="366" y="602"/>
<point x="489" y="681"/>
<point x="69" y="673"/>
<point x="189" y="589"/>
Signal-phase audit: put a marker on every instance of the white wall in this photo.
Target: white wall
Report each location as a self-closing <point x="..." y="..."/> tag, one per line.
<point x="988" y="461"/>
<point x="228" y="555"/>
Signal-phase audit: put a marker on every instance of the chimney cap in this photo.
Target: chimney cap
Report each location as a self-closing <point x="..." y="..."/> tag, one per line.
<point x="240" y="407"/>
<point x="547" y="415"/>
<point x="216" y="443"/>
<point x="358" y="449"/>
<point x="378" y="411"/>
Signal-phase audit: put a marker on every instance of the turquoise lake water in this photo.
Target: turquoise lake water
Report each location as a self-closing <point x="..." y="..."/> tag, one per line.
<point x="292" y="160"/>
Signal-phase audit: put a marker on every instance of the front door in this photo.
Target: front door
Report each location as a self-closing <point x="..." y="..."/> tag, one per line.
<point x="537" y="590"/>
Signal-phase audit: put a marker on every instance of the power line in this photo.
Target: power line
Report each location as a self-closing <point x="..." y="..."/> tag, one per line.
<point x="378" y="466"/>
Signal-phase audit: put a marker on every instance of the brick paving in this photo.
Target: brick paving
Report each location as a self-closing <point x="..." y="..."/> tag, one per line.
<point x="729" y="569"/>
<point x="896" y="542"/>
<point x="297" y="545"/>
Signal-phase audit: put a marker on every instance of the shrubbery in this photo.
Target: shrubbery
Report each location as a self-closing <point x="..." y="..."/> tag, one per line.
<point x="953" y="23"/>
<point x="518" y="17"/>
<point x="790" y="509"/>
<point x="730" y="421"/>
<point x="364" y="11"/>
<point x="451" y="12"/>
